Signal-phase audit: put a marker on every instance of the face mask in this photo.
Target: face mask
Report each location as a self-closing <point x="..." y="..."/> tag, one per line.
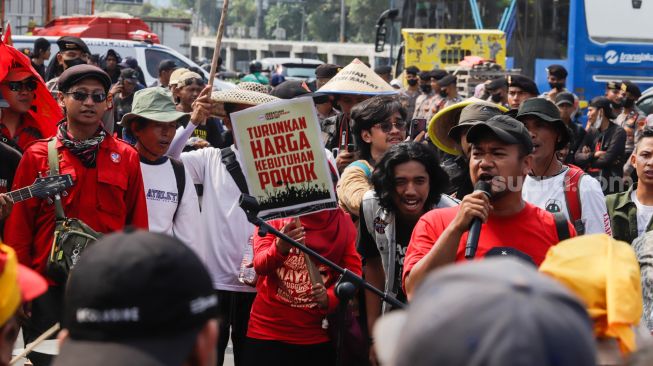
<point x="598" y="122"/>
<point x="557" y="85"/>
<point x="628" y="103"/>
<point x="426" y="88"/>
<point x="412" y="82"/>
<point x="496" y="98"/>
<point x="443" y="93"/>
<point x="74" y="62"/>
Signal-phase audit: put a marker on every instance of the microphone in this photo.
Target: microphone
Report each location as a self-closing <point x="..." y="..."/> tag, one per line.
<point x="475" y="227"/>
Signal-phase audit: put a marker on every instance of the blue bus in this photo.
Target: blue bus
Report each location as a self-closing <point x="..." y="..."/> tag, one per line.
<point x="607" y="40"/>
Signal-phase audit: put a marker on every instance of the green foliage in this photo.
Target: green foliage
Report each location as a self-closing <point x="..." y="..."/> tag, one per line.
<point x="287" y="16"/>
<point x="241" y="13"/>
<point x="362" y="17"/>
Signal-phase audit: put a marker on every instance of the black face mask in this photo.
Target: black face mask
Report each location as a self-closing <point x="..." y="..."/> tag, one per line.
<point x="558" y="86"/>
<point x="496" y="98"/>
<point x="443" y="93"/>
<point x="628" y="103"/>
<point x="412" y="82"/>
<point x="426" y="88"/>
<point x="74" y="62"/>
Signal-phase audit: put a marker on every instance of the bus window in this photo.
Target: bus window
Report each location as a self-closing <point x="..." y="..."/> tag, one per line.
<point x="634" y="21"/>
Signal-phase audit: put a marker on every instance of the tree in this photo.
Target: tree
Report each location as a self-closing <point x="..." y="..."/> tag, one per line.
<point x="361" y="19"/>
<point x="322" y="22"/>
<point x="287" y="16"/>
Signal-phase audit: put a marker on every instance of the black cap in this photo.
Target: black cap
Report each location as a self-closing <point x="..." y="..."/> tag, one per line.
<point x="438" y="74"/>
<point x="129" y="74"/>
<point x="41" y="44"/>
<point x="383" y="70"/>
<point x="472" y="114"/>
<point x="425" y="75"/>
<point x="496" y="84"/>
<point x="327" y="71"/>
<point x="129" y="62"/>
<point x="290" y="89"/>
<point x="75" y="74"/>
<point x="605" y="104"/>
<point x="167" y="65"/>
<point x="558" y="71"/>
<point x="135" y="298"/>
<point x="69" y="43"/>
<point x="546" y="111"/>
<point x="613" y="85"/>
<point x="632" y="88"/>
<point x="523" y="83"/>
<point x="506" y="129"/>
<point x="447" y="80"/>
<point x="412" y="70"/>
<point x="565" y="98"/>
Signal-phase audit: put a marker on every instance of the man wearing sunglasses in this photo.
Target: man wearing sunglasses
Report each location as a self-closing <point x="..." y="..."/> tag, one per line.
<point x="107" y="193"/>
<point x="379" y="123"/>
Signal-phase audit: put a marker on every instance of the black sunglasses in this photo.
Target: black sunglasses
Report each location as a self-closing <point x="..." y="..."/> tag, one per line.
<point x="27" y="85"/>
<point x="386" y="126"/>
<point x="82" y="96"/>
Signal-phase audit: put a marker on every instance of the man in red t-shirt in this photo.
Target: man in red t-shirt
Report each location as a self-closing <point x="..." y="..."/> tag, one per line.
<point x="500" y="154"/>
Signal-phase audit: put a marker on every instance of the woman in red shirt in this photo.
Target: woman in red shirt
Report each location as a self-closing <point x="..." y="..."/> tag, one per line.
<point x="286" y="325"/>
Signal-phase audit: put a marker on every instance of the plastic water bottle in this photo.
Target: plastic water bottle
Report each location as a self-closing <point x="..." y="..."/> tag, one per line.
<point x="247" y="274"/>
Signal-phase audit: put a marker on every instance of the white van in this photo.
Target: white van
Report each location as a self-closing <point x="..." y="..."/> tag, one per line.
<point x="148" y="55"/>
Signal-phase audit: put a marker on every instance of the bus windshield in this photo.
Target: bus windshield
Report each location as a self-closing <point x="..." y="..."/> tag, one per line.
<point x="619" y="20"/>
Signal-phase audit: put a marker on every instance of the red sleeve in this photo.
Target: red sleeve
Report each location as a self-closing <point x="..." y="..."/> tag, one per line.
<point x="266" y="257"/>
<point x="351" y="261"/>
<point x="136" y="203"/>
<point x="425" y="234"/>
<point x="19" y="227"/>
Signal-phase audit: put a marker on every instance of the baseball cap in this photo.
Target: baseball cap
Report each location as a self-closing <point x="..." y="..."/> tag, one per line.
<point x="505" y="128"/>
<point x="558" y="71"/>
<point x="129" y="74"/>
<point x="77" y="73"/>
<point x="478" y="112"/>
<point x="154" y="104"/>
<point x="70" y="43"/>
<point x="18" y="72"/>
<point x="174" y="77"/>
<point x="565" y="98"/>
<point x="523" y="83"/>
<point x="167" y="65"/>
<point x="327" y="71"/>
<point x="447" y="80"/>
<point x="632" y="88"/>
<point x="188" y="78"/>
<point x="129" y="62"/>
<point x="136" y="298"/>
<point x="604" y="104"/>
<point x="18" y="283"/>
<point x="614" y="85"/>
<point x="494" y="312"/>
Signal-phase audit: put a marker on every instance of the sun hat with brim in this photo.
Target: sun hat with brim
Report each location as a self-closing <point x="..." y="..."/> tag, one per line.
<point x="546" y="111"/>
<point x="448" y="120"/>
<point x="238" y="95"/>
<point x="154" y="104"/>
<point x="252" y="86"/>
<point x="18" y="283"/>
<point x="357" y="78"/>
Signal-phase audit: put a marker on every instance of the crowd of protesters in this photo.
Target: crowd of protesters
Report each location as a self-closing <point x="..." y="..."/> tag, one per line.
<point x="563" y="269"/>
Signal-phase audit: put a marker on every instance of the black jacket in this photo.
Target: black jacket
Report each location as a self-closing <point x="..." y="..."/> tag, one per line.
<point x="613" y="142"/>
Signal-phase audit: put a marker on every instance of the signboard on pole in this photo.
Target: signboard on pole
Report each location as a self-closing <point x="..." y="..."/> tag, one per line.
<point x="285" y="163"/>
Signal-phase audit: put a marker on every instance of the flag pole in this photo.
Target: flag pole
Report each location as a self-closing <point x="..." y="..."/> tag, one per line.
<point x="218" y="42"/>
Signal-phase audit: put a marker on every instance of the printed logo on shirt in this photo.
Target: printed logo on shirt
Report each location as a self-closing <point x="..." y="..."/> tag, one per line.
<point x="553" y="205"/>
<point x="379" y="225"/>
<point x="163" y="196"/>
<point x="115" y="157"/>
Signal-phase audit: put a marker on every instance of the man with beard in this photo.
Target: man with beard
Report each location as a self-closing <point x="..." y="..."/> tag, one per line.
<point x="408" y="182"/>
<point x="520" y="88"/>
<point x="500" y="155"/>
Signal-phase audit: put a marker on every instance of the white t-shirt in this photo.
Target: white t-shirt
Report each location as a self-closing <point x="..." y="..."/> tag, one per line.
<point x="549" y="195"/>
<point x="162" y="197"/>
<point x="644" y="213"/>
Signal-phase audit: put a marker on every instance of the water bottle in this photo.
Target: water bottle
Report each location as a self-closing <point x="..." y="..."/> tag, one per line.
<point x="248" y="275"/>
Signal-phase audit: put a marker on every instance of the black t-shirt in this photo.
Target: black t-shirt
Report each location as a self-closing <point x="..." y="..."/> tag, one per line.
<point x="210" y="131"/>
<point x="367" y="248"/>
<point x="10" y="158"/>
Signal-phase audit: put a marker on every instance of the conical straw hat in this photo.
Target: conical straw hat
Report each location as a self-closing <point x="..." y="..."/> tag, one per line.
<point x="357" y="78"/>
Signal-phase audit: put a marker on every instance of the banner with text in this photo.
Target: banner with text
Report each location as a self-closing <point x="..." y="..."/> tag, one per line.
<point x="285" y="162"/>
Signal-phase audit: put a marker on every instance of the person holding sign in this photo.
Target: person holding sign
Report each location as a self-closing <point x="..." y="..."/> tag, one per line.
<point x="225" y="228"/>
<point x="287" y="324"/>
<point x="379" y="123"/>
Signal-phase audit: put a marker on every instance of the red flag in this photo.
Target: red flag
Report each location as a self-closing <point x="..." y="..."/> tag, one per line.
<point x="6" y="38"/>
<point x="46" y="112"/>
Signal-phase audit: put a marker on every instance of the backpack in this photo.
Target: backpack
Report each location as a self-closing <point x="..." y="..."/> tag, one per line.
<point x="180" y="178"/>
<point x="572" y="197"/>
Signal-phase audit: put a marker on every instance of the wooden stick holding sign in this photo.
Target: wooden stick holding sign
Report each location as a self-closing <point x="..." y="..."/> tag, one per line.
<point x="218" y="43"/>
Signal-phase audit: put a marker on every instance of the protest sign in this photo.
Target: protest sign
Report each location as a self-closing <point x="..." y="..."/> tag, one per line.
<point x="284" y="160"/>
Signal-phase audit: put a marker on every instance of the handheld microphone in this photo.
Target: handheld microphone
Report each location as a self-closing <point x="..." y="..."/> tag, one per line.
<point x="475" y="227"/>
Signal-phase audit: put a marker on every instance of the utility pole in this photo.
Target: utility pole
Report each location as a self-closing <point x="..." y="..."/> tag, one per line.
<point x="342" y="21"/>
<point x="259" y="19"/>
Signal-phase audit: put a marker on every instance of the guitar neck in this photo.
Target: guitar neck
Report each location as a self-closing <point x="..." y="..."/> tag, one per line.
<point x="20" y="194"/>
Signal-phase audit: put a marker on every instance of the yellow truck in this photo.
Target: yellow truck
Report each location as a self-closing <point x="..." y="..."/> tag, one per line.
<point x="440" y="48"/>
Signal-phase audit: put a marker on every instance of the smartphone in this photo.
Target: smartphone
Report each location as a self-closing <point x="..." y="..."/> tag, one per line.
<point x="335" y="152"/>
<point x="351" y="147"/>
<point x="417" y="125"/>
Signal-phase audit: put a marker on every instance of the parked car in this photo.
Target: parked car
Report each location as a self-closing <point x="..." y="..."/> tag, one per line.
<point x="148" y="55"/>
<point x="292" y="68"/>
<point x="645" y="102"/>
